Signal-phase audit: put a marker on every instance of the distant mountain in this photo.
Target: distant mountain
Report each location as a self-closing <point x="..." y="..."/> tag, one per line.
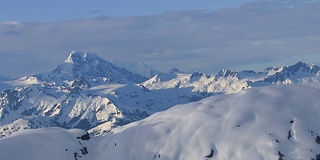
<point x="90" y="66"/>
<point x="229" y="81"/>
<point x="299" y="72"/>
<point x="272" y="122"/>
<point x="90" y="93"/>
<point x="140" y="68"/>
<point x="85" y="92"/>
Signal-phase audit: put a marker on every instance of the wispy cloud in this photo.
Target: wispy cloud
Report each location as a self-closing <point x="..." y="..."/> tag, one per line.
<point x="97" y="11"/>
<point x="190" y="40"/>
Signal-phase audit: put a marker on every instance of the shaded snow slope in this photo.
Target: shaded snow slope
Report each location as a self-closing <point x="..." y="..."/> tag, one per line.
<point x="261" y="123"/>
<point x="46" y="144"/>
<point x="269" y="123"/>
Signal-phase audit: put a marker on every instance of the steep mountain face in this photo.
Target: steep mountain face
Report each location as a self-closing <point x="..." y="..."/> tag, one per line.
<point x="272" y="122"/>
<point x="91" y="93"/>
<point x="90" y="66"/>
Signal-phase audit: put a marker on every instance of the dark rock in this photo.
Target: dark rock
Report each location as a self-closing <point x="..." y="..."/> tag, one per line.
<point x="289" y="134"/>
<point x="210" y="155"/>
<point x="85" y="150"/>
<point x="84" y="137"/>
<point x="318" y="139"/>
<point x="76" y="156"/>
<point x="281" y="155"/>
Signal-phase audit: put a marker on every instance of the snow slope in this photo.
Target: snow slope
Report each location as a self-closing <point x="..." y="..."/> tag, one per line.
<point x="90" y="93"/>
<point x="83" y="92"/>
<point x="259" y="123"/>
<point x="45" y="144"/>
<point x="270" y="123"/>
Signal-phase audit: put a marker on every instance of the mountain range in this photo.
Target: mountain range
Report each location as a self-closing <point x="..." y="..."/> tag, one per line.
<point x="276" y="122"/>
<point x="96" y="95"/>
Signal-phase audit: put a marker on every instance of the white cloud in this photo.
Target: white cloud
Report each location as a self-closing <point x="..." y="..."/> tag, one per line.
<point x="190" y="40"/>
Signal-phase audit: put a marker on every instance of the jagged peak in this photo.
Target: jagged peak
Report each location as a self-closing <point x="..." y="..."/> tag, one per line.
<point x="155" y="79"/>
<point x="198" y="74"/>
<point x="227" y="73"/>
<point x="298" y="66"/>
<point x="80" y="57"/>
<point x="91" y="66"/>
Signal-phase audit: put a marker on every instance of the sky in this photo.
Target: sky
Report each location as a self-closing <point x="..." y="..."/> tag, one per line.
<point x="61" y="10"/>
<point x="205" y="36"/>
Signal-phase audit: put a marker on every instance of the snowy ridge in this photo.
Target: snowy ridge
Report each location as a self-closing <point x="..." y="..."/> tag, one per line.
<point x="273" y="122"/>
<point x="91" y="93"/>
<point x="229" y="81"/>
<point x="301" y="71"/>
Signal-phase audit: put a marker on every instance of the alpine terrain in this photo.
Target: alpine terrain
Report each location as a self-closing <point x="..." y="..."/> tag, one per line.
<point x="272" y="123"/>
<point x="90" y="93"/>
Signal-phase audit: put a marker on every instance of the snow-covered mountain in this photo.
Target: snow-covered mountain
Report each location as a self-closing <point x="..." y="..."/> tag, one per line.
<point x="229" y="81"/>
<point x="140" y="68"/>
<point x="91" y="93"/>
<point x="90" y="66"/>
<point x="269" y="123"/>
<point x="84" y="92"/>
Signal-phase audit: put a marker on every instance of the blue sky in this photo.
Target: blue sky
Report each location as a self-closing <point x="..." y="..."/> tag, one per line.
<point x="57" y="10"/>
<point x="206" y="36"/>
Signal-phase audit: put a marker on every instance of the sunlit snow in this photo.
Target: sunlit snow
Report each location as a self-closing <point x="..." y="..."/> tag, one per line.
<point x="268" y="123"/>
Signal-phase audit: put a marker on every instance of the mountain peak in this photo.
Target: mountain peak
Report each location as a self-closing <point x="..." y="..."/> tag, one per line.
<point x="91" y="66"/>
<point x="299" y="66"/>
<point x="80" y="57"/>
<point x="226" y="73"/>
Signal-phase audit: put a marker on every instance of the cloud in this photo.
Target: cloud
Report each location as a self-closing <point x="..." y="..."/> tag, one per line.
<point x="190" y="40"/>
<point x="11" y="33"/>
